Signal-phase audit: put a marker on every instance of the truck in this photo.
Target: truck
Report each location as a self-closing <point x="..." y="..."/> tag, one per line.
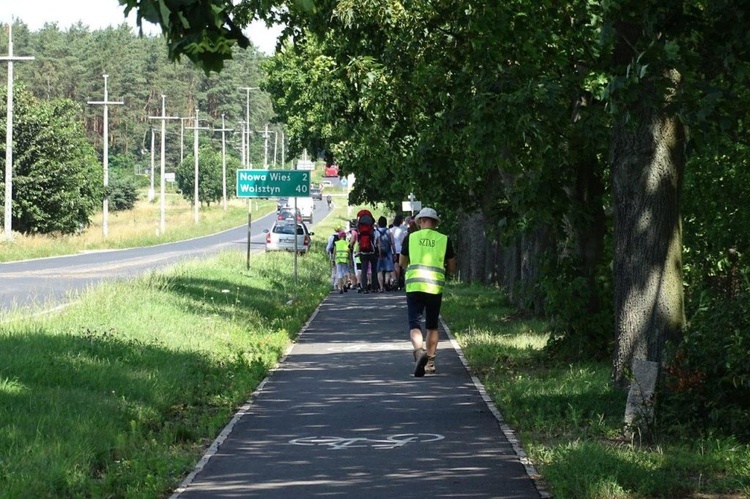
<point x="306" y="206"/>
<point x="331" y="170"/>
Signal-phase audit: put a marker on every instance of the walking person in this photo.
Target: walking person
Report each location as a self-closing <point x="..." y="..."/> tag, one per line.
<point x="341" y="251"/>
<point x="398" y="234"/>
<point x="384" y="244"/>
<point x="427" y="255"/>
<point x="367" y="251"/>
<point x="330" y="250"/>
<point x="354" y="261"/>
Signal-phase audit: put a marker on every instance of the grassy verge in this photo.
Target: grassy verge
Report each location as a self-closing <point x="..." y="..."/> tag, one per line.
<point x="569" y="418"/>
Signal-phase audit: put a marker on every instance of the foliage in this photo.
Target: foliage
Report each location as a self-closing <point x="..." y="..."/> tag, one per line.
<point x="708" y="384"/>
<point x="56" y="179"/>
<point x="579" y="311"/>
<point x="208" y="47"/>
<point x="708" y="380"/>
<point x="123" y="193"/>
<point x="210" y="176"/>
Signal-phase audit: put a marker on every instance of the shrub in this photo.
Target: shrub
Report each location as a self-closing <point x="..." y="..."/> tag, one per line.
<point x="707" y="383"/>
<point x="123" y="193"/>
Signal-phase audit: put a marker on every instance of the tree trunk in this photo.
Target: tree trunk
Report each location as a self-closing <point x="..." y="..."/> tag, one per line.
<point x="647" y="159"/>
<point x="469" y="247"/>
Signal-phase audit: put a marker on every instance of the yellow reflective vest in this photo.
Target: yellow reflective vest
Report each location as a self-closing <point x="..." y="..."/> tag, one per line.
<point x="426" y="270"/>
<point x="341" y="251"/>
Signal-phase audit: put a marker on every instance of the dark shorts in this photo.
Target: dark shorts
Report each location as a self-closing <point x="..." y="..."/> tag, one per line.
<point x="419" y="305"/>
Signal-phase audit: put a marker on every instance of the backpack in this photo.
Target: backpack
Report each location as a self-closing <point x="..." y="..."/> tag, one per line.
<point x="384" y="242"/>
<point x="365" y="228"/>
<point x="332" y="250"/>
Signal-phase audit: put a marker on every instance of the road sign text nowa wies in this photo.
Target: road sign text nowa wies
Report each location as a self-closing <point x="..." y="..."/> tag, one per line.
<point x="267" y="183"/>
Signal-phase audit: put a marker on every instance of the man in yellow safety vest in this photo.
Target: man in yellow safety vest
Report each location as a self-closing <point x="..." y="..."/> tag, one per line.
<point x="427" y="255"/>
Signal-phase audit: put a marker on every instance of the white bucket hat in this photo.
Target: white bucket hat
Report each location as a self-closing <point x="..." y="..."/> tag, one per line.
<point x="428" y="213"/>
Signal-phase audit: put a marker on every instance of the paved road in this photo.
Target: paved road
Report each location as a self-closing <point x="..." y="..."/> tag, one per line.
<point x="343" y="417"/>
<point x="47" y="282"/>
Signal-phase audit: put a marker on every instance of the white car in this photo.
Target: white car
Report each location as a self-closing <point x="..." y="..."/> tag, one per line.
<point x="281" y="236"/>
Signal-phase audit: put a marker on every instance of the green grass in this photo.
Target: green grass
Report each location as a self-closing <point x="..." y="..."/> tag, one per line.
<point x="569" y="418"/>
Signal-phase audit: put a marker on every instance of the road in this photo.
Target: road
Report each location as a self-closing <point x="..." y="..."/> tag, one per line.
<point x="48" y="282"/>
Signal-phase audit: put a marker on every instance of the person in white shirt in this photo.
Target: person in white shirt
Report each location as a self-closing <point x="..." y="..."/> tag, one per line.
<point x="398" y="234"/>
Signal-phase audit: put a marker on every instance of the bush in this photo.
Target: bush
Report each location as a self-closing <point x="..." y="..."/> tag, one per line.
<point x="707" y="383"/>
<point x="123" y="193"/>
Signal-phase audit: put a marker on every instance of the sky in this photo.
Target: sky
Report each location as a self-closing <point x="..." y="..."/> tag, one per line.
<point x="97" y="14"/>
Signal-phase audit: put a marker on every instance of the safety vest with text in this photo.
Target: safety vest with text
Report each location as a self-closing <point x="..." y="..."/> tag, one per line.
<point x="426" y="270"/>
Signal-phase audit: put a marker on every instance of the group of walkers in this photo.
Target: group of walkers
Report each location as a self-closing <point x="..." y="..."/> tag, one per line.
<point x="409" y="254"/>
<point x="373" y="270"/>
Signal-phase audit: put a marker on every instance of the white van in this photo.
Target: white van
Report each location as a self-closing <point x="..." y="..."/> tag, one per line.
<point x="306" y="207"/>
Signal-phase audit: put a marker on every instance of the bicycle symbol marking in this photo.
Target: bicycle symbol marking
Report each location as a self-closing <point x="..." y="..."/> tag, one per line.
<point x="390" y="442"/>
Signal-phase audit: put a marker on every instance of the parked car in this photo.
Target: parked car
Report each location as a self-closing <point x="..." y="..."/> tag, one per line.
<point x="281" y="236"/>
<point x="326" y="183"/>
<point x="316" y="193"/>
<point x="288" y="214"/>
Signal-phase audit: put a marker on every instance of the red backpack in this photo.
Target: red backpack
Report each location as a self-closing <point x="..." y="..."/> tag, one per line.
<point x="365" y="227"/>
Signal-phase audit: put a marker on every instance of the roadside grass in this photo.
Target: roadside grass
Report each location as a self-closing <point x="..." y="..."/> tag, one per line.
<point x="137" y="227"/>
<point x="569" y="418"/>
<point x="119" y="394"/>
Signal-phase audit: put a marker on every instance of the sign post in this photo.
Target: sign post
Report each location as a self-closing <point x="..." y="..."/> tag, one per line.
<point x="412" y="204"/>
<point x="272" y="183"/>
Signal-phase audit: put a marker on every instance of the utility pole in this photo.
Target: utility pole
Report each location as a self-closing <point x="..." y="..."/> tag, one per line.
<point x="275" y="146"/>
<point x="246" y="161"/>
<point x="162" y="202"/>
<point x="223" y="131"/>
<point x="195" y="153"/>
<point x="182" y="137"/>
<point x="105" y="157"/>
<point x="242" y="125"/>
<point x="10" y="58"/>
<point x="265" y="146"/>
<point x="151" y="192"/>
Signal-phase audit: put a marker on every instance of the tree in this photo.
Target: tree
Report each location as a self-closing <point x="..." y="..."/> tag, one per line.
<point x="57" y="183"/>
<point x="210" y="176"/>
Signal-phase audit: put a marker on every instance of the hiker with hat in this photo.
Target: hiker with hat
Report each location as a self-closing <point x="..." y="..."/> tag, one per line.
<point x="427" y="255"/>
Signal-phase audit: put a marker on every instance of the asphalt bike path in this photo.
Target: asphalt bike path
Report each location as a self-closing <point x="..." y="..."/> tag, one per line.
<point x="343" y="416"/>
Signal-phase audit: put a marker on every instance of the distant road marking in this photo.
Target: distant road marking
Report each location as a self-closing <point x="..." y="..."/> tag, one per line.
<point x="390" y="442"/>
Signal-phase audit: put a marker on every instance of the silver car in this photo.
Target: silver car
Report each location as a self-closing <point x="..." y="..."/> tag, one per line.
<point x="281" y="236"/>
